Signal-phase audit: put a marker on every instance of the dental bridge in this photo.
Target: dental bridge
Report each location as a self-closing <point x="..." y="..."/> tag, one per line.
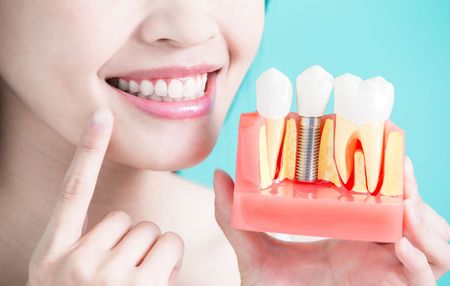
<point x="338" y="175"/>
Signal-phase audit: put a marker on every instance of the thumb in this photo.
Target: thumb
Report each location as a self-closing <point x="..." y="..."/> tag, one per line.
<point x="247" y="245"/>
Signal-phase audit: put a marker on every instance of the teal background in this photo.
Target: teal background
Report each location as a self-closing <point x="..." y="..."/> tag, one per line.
<point x="407" y="42"/>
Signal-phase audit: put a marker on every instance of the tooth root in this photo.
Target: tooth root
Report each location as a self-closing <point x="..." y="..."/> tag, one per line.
<point x="264" y="173"/>
<point x="360" y="185"/>
<point x="327" y="167"/>
<point x="393" y="165"/>
<point x="371" y="137"/>
<point x="274" y="132"/>
<point x="288" y="162"/>
<point x="344" y="147"/>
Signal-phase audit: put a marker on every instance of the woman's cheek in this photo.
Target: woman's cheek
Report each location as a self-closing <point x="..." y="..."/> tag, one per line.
<point x="244" y="32"/>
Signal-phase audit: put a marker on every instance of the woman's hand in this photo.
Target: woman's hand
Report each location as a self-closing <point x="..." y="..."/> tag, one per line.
<point x="114" y="252"/>
<point x="419" y="258"/>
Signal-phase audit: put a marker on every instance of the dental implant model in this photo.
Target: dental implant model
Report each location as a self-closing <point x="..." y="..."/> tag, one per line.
<point x="314" y="86"/>
<point x="337" y="175"/>
<point x="273" y="103"/>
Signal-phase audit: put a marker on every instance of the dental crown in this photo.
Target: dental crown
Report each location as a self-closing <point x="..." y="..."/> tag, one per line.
<point x="363" y="101"/>
<point x="314" y="86"/>
<point x="273" y="94"/>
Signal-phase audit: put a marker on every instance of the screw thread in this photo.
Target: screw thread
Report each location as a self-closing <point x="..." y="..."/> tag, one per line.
<point x="308" y="149"/>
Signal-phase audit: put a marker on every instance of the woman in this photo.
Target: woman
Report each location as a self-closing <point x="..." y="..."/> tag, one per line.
<point x="165" y="72"/>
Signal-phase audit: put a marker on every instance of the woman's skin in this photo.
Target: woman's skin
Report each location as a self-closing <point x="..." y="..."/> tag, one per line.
<point x="54" y="59"/>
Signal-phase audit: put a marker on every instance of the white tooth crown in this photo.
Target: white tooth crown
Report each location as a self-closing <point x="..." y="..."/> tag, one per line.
<point x="134" y="87"/>
<point x="147" y="87"/>
<point x="363" y="101"/>
<point x="161" y="88"/>
<point x="176" y="89"/>
<point x="273" y="94"/>
<point x="314" y="87"/>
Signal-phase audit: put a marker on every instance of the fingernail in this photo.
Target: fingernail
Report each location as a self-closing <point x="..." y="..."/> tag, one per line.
<point x="100" y="118"/>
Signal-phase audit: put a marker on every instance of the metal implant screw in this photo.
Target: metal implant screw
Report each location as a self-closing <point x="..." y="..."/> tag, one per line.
<point x="308" y="149"/>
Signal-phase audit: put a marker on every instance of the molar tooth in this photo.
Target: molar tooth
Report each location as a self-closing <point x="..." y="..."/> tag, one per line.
<point x="134" y="87"/>
<point x="361" y="107"/>
<point x="123" y="84"/>
<point x="167" y="99"/>
<point x="147" y="87"/>
<point x="161" y="88"/>
<point x="189" y="88"/>
<point x="175" y="89"/>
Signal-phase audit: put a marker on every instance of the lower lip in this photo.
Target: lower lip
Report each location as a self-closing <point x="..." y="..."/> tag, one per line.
<point x="179" y="109"/>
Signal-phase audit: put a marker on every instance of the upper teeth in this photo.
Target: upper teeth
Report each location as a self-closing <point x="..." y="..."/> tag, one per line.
<point x="167" y="90"/>
<point x="314" y="86"/>
<point x="361" y="107"/>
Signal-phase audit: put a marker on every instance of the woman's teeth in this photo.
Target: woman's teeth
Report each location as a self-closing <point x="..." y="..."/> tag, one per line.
<point x="176" y="89"/>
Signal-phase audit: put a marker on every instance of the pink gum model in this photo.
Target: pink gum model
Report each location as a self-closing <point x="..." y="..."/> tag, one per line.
<point x="318" y="209"/>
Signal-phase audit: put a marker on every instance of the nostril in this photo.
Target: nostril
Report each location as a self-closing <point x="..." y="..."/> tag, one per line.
<point x="179" y="27"/>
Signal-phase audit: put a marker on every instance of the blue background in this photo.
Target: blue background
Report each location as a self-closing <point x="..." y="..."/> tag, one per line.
<point x="407" y="42"/>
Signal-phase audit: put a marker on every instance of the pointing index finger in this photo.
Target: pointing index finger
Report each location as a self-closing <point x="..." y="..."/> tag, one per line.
<point x="79" y="183"/>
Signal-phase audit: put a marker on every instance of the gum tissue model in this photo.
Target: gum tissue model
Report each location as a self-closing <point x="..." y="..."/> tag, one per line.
<point x="306" y="173"/>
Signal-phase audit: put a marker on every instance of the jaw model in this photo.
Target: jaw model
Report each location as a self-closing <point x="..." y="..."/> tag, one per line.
<point x="360" y="165"/>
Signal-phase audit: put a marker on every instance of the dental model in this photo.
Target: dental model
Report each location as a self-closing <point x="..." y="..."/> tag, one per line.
<point x="337" y="175"/>
<point x="273" y="103"/>
<point x="314" y="86"/>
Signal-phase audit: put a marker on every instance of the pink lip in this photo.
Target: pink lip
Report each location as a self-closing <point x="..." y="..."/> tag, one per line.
<point x="173" y="110"/>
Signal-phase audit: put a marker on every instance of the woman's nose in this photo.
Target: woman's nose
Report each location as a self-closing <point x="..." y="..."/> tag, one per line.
<point x="179" y="23"/>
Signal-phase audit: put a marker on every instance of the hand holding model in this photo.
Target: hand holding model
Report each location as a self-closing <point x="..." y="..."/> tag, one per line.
<point x="114" y="252"/>
<point x="419" y="258"/>
<point x="362" y="109"/>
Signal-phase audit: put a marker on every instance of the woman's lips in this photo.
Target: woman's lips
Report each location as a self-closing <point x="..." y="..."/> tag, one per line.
<point x="176" y="109"/>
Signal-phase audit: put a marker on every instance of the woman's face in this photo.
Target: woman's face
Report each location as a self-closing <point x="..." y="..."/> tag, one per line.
<point x="66" y="58"/>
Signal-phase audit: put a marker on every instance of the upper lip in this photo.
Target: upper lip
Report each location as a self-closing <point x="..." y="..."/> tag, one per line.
<point x="166" y="72"/>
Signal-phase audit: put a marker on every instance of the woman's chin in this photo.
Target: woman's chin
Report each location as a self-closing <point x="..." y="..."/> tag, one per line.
<point x="163" y="160"/>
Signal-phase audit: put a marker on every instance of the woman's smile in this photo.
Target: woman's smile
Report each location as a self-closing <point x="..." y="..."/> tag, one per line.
<point x="172" y="93"/>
